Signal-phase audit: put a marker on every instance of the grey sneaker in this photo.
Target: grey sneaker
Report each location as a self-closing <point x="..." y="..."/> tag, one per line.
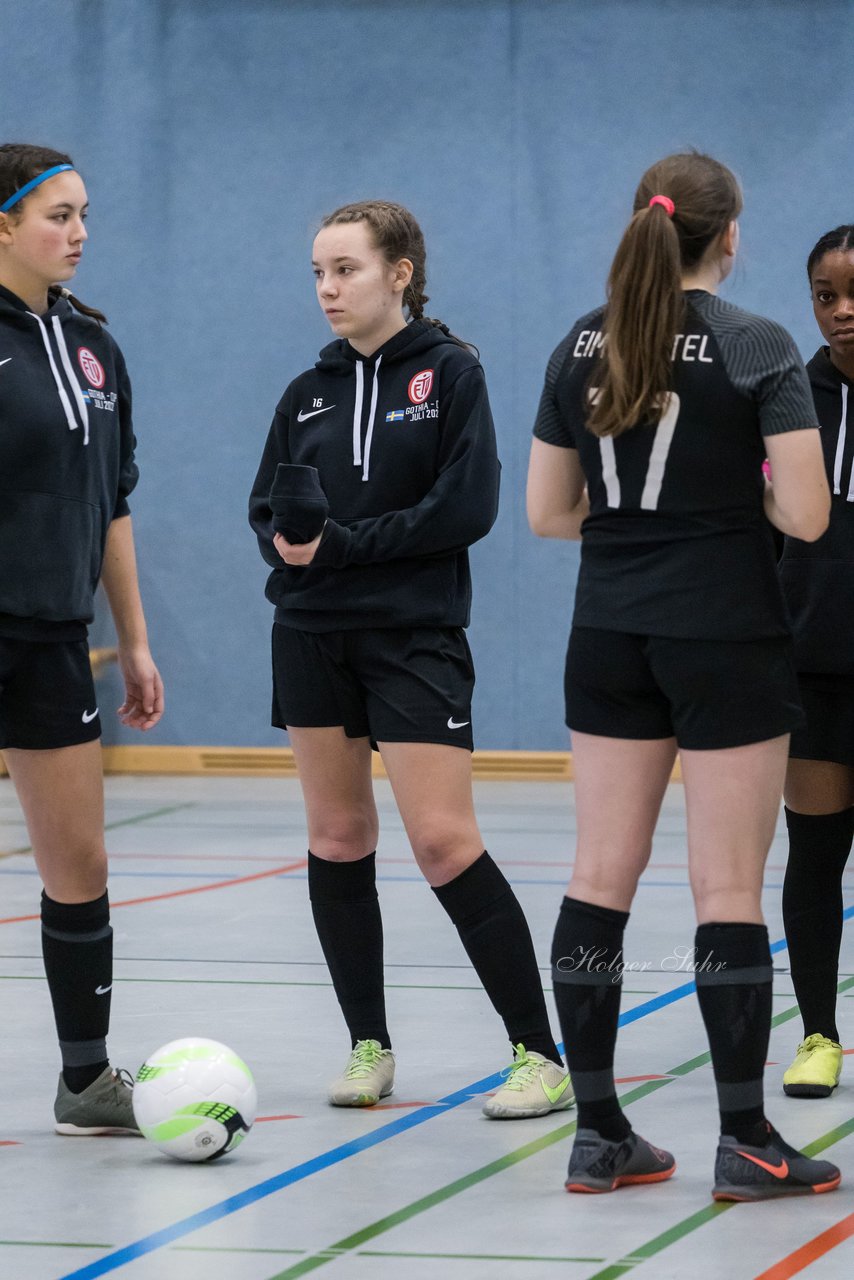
<point x="597" y="1165"/>
<point x="105" y="1107"/>
<point x="368" y="1076"/>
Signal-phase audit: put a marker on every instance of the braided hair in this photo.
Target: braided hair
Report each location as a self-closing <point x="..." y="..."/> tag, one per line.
<point x="396" y="234"/>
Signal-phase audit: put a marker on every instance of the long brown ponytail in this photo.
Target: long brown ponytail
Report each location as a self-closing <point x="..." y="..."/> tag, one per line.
<point x="19" y="163"/>
<point x="645" y="305"/>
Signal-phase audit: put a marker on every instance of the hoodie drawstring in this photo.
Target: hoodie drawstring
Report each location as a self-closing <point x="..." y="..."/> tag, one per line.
<point x="357" y="416"/>
<point x="75" y="385"/>
<point x="370" y="432"/>
<point x="73" y="424"/>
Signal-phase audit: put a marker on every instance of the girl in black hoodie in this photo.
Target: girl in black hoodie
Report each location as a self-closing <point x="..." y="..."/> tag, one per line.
<point x="66" y="469"/>
<point x="818" y="582"/>
<point x="380" y="470"/>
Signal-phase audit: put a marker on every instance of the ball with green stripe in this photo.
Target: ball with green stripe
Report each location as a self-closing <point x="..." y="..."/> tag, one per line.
<point x="195" y="1099"/>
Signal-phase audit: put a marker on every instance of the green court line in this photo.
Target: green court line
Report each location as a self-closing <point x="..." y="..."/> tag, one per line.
<point x="152" y="813"/>
<point x="473" y="1257"/>
<point x="120" y="822"/>
<point x="55" y="1244"/>
<point x="212" y="1248"/>
<point x="352" y="1242"/>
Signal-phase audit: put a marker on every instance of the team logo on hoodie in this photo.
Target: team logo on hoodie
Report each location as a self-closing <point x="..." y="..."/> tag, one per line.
<point x="92" y="367"/>
<point x="420" y="386"/>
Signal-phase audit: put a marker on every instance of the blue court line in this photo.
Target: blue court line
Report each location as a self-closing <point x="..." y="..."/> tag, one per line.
<point x="261" y="1190"/>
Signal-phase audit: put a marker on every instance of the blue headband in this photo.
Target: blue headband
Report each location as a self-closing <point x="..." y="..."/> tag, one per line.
<point x="27" y="188"/>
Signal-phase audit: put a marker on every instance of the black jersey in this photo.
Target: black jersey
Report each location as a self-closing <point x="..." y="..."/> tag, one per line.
<point x="404" y="444"/>
<point x="677" y="542"/>
<point x="818" y="577"/>
<point x="66" y="464"/>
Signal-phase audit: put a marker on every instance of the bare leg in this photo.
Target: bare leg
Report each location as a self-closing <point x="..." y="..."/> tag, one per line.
<point x="619" y="787"/>
<point x="62" y="795"/>
<point x="433" y="789"/>
<point x="733" y="799"/>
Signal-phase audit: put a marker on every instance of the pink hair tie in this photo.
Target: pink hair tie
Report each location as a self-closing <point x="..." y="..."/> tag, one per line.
<point x="666" y="203"/>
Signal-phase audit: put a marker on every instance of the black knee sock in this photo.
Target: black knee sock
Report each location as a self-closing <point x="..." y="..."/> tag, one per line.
<point x="347" y="917"/>
<point x="819" y="845"/>
<point x="734" y="990"/>
<point x="77" y="945"/>
<point x="587" y="969"/>
<point x="497" y="940"/>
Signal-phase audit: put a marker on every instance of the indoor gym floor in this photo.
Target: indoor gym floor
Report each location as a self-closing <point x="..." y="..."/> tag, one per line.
<point x="213" y="937"/>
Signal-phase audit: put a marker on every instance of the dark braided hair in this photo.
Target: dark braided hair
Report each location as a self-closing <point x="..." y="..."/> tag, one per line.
<point x="839" y="239"/>
<point x="19" y="164"/>
<point x="396" y="235"/>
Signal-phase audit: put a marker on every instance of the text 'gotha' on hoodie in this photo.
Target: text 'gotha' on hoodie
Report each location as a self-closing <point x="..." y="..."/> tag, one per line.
<point x="818" y="577"/>
<point x="66" y="459"/>
<point x="404" y="443"/>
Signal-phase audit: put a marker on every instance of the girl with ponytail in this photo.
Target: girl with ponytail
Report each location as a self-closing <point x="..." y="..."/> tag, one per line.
<point x="379" y="472"/>
<point x="66" y="470"/>
<point x="657" y="413"/>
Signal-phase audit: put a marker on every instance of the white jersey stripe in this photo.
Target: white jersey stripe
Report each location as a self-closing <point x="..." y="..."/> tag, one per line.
<point x="658" y="456"/>
<point x="609" y="470"/>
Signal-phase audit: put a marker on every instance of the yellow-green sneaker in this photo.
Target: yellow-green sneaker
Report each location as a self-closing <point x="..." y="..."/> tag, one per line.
<point x="535" y="1086"/>
<point x="368" y="1076"/>
<point x="816" y="1070"/>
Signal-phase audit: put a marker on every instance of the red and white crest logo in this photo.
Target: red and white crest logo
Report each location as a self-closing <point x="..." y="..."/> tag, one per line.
<point x="420" y="386"/>
<point x="92" y="367"/>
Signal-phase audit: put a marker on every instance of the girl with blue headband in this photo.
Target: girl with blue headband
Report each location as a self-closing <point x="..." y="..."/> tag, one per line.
<point x="66" y="470"/>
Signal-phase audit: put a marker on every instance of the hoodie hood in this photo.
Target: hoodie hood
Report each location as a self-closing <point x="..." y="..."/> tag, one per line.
<point x="419" y="335"/>
<point x="49" y="327"/>
<point x="831" y="391"/>
<point x="342" y="359"/>
<point x="824" y="373"/>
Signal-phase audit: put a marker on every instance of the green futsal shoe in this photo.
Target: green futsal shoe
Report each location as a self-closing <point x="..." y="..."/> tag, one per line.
<point x="105" y="1107"/>
<point x="816" y="1070"/>
<point x="535" y="1086"/>
<point x="368" y="1076"/>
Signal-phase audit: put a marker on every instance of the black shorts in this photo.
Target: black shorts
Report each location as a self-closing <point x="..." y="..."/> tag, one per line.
<point x="828" y="734"/>
<point x="708" y="694"/>
<point x="47" y="695"/>
<point x="401" y="684"/>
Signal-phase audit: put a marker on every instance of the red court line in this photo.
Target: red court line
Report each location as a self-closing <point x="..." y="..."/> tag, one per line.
<point x="9" y="1144"/>
<point x="397" y="1106"/>
<point x="182" y="893"/>
<point x="811" y="1251"/>
<point x="261" y="1119"/>
<point x="632" y="1079"/>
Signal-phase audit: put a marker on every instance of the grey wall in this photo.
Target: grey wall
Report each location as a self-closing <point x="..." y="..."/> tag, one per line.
<point x="214" y="135"/>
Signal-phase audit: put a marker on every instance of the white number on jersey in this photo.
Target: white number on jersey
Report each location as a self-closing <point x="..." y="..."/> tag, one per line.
<point x="661" y="443"/>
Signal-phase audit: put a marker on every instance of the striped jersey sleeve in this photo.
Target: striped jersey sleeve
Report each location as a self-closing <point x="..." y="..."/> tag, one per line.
<point x="763" y="363"/>
<point x="551" y="425"/>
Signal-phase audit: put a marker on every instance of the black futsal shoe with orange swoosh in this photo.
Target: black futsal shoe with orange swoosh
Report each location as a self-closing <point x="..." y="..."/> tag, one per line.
<point x="744" y="1172"/>
<point x="597" y="1165"/>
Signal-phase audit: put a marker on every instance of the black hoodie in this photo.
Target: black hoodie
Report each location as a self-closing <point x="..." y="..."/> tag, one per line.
<point x="818" y="577"/>
<point x="404" y="444"/>
<point x="66" y="464"/>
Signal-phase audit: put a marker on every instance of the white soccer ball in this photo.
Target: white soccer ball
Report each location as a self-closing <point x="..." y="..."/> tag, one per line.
<point x="195" y="1099"/>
